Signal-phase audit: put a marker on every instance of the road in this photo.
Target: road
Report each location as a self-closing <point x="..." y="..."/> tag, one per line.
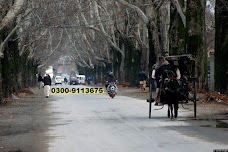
<point x="97" y="123"/>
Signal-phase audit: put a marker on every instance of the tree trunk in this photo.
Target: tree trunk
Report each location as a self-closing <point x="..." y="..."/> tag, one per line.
<point x="164" y="19"/>
<point x="122" y="66"/>
<point x="221" y="46"/>
<point x="152" y="54"/>
<point x="1" y="79"/>
<point x="177" y="31"/>
<point x="1" y="91"/>
<point x="6" y="73"/>
<point x="195" y="37"/>
<point x="145" y="51"/>
<point x="132" y="62"/>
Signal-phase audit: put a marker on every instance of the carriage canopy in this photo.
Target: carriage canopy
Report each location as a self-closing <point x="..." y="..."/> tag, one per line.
<point x="186" y="64"/>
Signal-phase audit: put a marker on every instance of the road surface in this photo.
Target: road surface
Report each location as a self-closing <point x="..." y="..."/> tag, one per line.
<point x="98" y="123"/>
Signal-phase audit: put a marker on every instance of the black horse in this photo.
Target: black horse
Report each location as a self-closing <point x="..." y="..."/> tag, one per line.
<point x="169" y="94"/>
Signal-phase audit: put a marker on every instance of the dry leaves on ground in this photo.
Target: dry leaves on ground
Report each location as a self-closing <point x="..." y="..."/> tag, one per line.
<point x="24" y="92"/>
<point x="215" y="96"/>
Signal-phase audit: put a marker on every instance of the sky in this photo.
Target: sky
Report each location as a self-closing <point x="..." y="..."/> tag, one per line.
<point x="211" y="4"/>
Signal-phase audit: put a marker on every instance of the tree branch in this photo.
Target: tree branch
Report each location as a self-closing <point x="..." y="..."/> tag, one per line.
<point x="12" y="13"/>
<point x="178" y="7"/>
<point x="6" y="41"/>
<point x="137" y="9"/>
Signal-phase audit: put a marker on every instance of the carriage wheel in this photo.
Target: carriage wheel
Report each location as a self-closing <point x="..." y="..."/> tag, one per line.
<point x="150" y="99"/>
<point x="195" y="98"/>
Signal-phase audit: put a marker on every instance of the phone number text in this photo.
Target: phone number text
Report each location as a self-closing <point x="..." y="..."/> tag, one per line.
<point x="78" y="90"/>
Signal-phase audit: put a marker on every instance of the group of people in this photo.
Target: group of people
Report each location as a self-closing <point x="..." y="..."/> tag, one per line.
<point x="45" y="82"/>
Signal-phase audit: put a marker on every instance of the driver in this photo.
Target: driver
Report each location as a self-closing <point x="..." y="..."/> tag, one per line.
<point x="159" y="73"/>
<point x="110" y="79"/>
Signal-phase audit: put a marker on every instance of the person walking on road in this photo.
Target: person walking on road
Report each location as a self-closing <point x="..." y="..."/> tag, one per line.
<point x="90" y="80"/>
<point x="47" y="85"/>
<point x="65" y="80"/>
<point x="40" y="81"/>
<point x="142" y="79"/>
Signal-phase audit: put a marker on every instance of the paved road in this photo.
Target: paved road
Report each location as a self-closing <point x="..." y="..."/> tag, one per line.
<point x="97" y="123"/>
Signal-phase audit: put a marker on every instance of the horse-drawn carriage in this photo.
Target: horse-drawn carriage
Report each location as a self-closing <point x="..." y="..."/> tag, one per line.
<point x="173" y="91"/>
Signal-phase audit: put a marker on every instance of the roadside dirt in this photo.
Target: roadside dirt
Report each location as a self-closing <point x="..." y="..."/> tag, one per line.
<point x="23" y="123"/>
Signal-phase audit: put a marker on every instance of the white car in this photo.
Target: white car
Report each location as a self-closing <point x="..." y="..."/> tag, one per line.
<point x="81" y="79"/>
<point x="58" y="80"/>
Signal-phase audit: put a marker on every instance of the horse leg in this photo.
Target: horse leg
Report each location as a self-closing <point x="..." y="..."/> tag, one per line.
<point x="168" y="113"/>
<point x="171" y="109"/>
<point x="175" y="104"/>
<point x="176" y="110"/>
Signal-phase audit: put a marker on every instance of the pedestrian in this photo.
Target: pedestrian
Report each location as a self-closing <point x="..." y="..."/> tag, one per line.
<point x="47" y="85"/>
<point x="90" y="80"/>
<point x="65" y="80"/>
<point x="40" y="81"/>
<point x="142" y="79"/>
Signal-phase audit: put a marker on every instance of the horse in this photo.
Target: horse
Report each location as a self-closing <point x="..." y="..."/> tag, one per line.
<point x="169" y="94"/>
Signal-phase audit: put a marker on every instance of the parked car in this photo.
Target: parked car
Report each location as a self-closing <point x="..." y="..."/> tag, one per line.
<point x="58" y="80"/>
<point x="73" y="80"/>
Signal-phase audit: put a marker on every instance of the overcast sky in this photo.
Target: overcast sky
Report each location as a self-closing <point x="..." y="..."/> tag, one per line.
<point x="211" y="4"/>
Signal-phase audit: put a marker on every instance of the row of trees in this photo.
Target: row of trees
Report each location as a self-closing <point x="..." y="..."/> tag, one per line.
<point x="99" y="35"/>
<point x="17" y="70"/>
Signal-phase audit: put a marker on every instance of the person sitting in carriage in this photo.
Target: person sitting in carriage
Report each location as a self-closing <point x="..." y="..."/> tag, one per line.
<point x="161" y="71"/>
<point x="157" y="74"/>
<point x="175" y="70"/>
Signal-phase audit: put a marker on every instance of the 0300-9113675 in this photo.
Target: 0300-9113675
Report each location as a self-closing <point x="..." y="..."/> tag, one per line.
<point x="78" y="90"/>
